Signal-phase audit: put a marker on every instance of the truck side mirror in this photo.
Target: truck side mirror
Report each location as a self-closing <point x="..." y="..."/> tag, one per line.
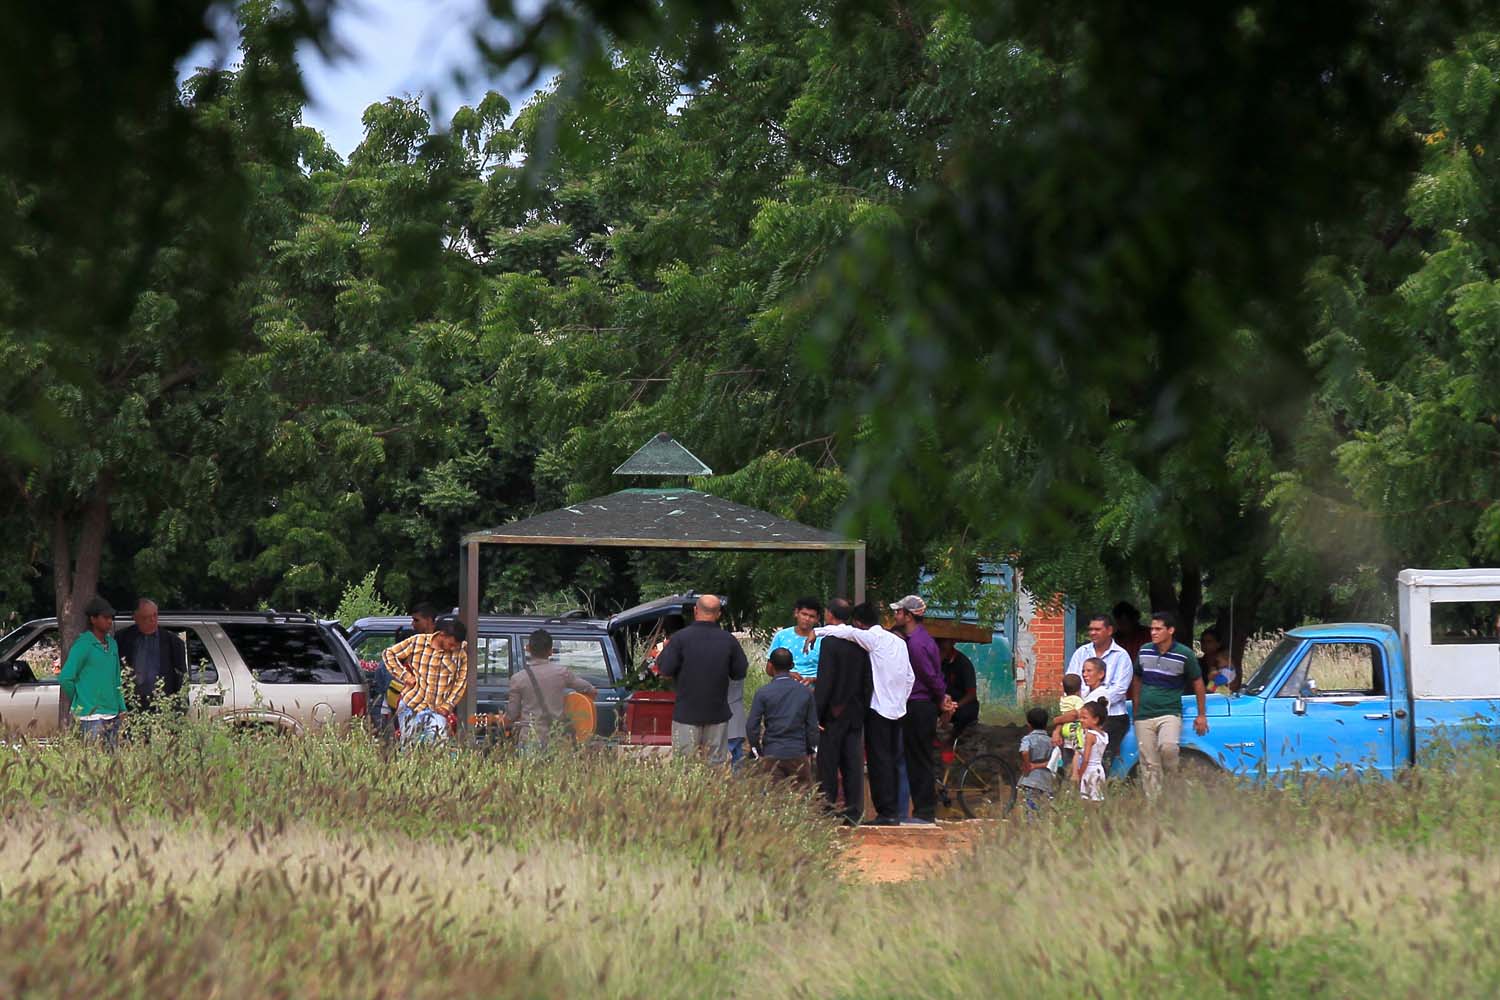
<point x="1299" y="707"/>
<point x="13" y="672"/>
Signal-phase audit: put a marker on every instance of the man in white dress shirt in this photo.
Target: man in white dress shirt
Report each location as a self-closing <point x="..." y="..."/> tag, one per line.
<point x="1119" y="673"/>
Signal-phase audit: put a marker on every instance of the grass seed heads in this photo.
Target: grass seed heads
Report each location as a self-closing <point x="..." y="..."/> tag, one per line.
<point x="210" y="863"/>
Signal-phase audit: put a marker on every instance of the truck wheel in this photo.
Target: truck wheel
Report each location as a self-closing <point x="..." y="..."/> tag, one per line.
<point x="1198" y="769"/>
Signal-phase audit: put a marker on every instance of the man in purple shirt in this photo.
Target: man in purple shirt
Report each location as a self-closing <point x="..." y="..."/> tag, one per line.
<point x="919" y="726"/>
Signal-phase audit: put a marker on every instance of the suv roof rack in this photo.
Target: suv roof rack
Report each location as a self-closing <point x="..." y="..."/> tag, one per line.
<point x="269" y="614"/>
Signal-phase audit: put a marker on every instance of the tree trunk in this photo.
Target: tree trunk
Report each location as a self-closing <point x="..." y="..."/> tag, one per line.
<point x="1180" y="594"/>
<point x="1161" y="592"/>
<point x="75" y="568"/>
<point x="1189" y="600"/>
<point x="62" y="586"/>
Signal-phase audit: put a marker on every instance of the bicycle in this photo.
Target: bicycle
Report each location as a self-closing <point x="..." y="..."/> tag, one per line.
<point x="984" y="785"/>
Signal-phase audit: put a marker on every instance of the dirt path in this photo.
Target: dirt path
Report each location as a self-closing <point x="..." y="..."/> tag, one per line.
<point x="896" y="854"/>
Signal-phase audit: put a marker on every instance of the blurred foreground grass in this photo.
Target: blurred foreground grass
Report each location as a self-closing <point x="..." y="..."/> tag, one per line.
<point x="210" y="864"/>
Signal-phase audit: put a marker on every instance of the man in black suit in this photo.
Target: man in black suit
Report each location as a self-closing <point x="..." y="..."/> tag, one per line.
<point x="153" y="656"/>
<point x="842" y="693"/>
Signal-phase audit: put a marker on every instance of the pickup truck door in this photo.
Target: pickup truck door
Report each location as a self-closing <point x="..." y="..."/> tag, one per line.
<point x="32" y="706"/>
<point x="1334" y="710"/>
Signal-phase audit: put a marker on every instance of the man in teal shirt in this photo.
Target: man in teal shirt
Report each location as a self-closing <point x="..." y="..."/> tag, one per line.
<point x="807" y="615"/>
<point x="91" y="676"/>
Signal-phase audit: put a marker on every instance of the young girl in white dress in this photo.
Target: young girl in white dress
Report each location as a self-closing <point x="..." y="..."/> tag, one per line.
<point x="1088" y="766"/>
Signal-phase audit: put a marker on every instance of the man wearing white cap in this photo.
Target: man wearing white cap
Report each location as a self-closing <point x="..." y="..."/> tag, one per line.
<point x="928" y="693"/>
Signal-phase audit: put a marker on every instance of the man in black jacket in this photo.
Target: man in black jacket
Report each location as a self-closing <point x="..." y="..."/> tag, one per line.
<point x="153" y="656"/>
<point x="703" y="658"/>
<point x="842" y="691"/>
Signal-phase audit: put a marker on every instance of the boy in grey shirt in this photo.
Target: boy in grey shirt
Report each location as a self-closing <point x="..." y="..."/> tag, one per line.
<point x="1036" y="746"/>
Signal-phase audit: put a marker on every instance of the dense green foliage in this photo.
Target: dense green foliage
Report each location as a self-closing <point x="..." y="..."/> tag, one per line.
<point x="1192" y="308"/>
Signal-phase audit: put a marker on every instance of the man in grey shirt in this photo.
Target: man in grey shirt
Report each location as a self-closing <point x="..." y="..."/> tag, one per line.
<point x="537" y="692"/>
<point x="736" y="731"/>
<point x="783" y="724"/>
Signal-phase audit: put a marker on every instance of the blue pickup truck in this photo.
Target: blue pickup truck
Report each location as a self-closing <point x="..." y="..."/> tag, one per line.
<point x="1368" y="697"/>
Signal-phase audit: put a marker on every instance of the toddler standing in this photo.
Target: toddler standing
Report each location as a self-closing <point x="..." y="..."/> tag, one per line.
<point x="1088" y="767"/>
<point x="1036" y="746"/>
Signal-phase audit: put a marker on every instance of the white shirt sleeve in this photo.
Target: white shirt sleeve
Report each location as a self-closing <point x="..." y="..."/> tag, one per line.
<point x="1075" y="662"/>
<point x="1118" y="674"/>
<point x="861" y="637"/>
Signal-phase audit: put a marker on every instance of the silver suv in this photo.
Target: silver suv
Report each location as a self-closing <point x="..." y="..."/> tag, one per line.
<point x="287" y="672"/>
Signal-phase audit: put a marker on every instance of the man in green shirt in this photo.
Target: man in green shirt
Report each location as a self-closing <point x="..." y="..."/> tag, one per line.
<point x="1164" y="668"/>
<point x="91" y="677"/>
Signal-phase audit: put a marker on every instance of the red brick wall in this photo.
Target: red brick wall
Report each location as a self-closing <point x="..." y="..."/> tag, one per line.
<point x="1051" y="653"/>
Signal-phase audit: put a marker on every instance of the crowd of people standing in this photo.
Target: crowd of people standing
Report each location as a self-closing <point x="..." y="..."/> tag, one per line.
<point x="1109" y="688"/>
<point x="846" y="696"/>
<point x="850" y="699"/>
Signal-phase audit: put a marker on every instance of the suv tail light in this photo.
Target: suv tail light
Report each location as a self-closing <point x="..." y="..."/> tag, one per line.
<point x="357" y="704"/>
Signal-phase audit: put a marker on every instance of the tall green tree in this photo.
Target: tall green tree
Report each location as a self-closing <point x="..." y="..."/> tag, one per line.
<point x="1397" y="464"/>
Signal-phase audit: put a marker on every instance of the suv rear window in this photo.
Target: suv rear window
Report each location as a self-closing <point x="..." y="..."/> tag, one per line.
<point x="585" y="657"/>
<point x="287" y="654"/>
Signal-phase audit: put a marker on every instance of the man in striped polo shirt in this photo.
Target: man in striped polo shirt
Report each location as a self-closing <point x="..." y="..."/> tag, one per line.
<point x="1164" y="668"/>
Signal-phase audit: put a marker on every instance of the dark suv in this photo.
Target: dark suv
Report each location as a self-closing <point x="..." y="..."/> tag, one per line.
<point x="595" y="649"/>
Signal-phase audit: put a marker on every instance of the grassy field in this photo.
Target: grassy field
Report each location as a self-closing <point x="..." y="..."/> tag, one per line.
<point x="207" y="864"/>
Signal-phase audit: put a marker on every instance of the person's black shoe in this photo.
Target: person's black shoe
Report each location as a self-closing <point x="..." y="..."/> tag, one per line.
<point x="884" y="821"/>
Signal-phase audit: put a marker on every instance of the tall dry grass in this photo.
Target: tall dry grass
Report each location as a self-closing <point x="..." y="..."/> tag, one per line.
<point x="205" y="864"/>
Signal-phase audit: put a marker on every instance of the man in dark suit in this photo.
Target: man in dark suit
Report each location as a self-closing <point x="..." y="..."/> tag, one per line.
<point x="842" y="692"/>
<point x="153" y="656"/>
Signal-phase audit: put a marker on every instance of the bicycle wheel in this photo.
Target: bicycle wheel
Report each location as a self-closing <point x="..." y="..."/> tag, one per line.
<point x="987" y="787"/>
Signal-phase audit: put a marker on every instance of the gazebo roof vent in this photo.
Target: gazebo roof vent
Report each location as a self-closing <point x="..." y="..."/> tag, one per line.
<point x="663" y="456"/>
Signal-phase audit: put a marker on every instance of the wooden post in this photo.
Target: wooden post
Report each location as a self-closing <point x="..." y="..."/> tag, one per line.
<point x="859" y="575"/>
<point x="468" y="602"/>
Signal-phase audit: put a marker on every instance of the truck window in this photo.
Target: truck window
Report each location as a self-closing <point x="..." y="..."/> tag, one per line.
<point x="1271" y="666"/>
<point x="288" y="654"/>
<point x="585" y="657"/>
<point x="371" y="647"/>
<point x="1465" y="623"/>
<point x="493" y="659"/>
<point x="1337" y="668"/>
<point x="42" y="654"/>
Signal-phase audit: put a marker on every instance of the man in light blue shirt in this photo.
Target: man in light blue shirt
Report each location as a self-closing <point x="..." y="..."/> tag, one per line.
<point x="807" y="615"/>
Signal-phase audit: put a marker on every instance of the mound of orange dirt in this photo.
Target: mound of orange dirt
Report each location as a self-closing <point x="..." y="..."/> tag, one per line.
<point x="899" y="853"/>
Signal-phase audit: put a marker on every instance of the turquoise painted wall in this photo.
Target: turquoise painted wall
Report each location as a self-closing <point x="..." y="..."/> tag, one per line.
<point x="994" y="662"/>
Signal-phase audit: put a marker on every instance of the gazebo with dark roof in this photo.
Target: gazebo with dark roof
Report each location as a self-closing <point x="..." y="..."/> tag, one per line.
<point x="648" y="519"/>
